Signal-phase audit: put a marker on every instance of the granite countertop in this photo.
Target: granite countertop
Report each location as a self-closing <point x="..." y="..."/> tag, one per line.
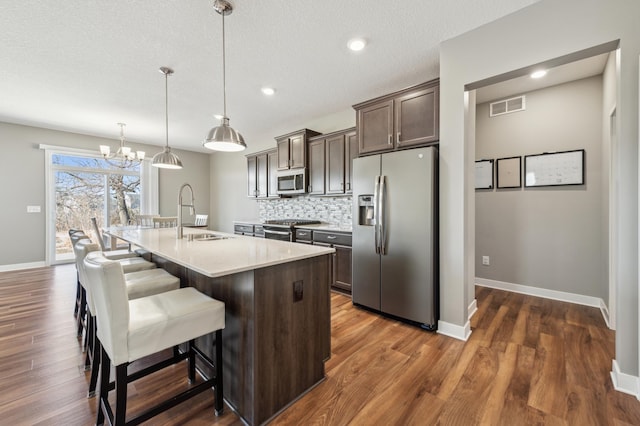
<point x="220" y="257"/>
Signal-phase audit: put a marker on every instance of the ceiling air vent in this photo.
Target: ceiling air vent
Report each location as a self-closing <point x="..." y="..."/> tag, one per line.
<point x="506" y="106"/>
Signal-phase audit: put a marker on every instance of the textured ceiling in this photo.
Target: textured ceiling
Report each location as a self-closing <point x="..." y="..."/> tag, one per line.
<point x="85" y="65"/>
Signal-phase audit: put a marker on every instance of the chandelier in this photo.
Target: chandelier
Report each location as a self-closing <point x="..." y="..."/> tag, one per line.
<point x="123" y="152"/>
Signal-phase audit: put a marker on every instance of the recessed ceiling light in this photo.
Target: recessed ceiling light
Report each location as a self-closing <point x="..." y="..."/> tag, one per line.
<point x="268" y="91"/>
<point x="356" y="44"/>
<point x="538" y="74"/>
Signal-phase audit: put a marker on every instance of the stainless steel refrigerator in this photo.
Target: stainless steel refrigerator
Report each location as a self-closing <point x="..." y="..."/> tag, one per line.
<point x="395" y="256"/>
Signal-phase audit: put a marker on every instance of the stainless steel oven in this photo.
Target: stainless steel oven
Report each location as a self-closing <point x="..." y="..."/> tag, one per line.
<point x="283" y="229"/>
<point x="278" y="233"/>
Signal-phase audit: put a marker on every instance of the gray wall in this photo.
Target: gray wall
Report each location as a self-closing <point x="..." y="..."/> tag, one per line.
<point x="543" y="31"/>
<point x="22" y="171"/>
<point x="545" y="237"/>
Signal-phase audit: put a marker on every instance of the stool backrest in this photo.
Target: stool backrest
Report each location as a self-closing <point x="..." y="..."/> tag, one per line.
<point x="165" y="222"/>
<point x="201" y="219"/>
<point x="96" y="229"/>
<point x="145" y="220"/>
<point x="106" y="283"/>
<point x="81" y="249"/>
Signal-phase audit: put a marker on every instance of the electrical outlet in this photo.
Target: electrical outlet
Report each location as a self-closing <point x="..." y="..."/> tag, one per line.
<point x="485" y="260"/>
<point x="33" y="209"/>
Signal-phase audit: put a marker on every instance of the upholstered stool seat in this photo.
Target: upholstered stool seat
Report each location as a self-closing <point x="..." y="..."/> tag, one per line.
<point x="134" y="264"/>
<point x="131" y="329"/>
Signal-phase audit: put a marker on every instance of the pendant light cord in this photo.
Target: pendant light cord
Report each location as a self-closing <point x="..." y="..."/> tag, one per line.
<point x="166" y="108"/>
<point x="224" y="77"/>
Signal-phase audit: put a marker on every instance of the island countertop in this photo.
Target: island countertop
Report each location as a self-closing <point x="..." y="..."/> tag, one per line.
<point x="217" y="257"/>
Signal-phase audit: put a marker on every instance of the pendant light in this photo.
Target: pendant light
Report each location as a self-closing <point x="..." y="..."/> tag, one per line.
<point x="166" y="159"/>
<point x="224" y="137"/>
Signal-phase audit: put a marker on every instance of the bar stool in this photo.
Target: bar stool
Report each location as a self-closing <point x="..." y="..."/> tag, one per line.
<point x="138" y="284"/>
<point x="132" y="329"/>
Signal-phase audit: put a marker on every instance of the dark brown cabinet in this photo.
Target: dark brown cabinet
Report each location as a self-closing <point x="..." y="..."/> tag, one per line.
<point x="292" y="149"/>
<point x="315" y="184"/>
<point x="399" y="120"/>
<point x="330" y="160"/>
<point x="260" y="171"/>
<point x="272" y="173"/>
<point x="341" y="242"/>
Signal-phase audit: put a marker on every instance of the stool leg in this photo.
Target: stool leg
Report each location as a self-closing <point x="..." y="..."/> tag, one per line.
<point x="219" y="403"/>
<point x="78" y="289"/>
<point x="88" y="343"/>
<point x="95" y="363"/>
<point x="103" y="397"/>
<point x="82" y="309"/>
<point x="121" y="395"/>
<point x="192" y="362"/>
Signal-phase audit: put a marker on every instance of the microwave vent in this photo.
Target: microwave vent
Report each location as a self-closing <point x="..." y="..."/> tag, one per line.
<point x="507" y="106"/>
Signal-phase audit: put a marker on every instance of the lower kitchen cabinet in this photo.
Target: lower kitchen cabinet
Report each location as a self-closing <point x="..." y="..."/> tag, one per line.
<point x="249" y="229"/>
<point x="341" y="242"/>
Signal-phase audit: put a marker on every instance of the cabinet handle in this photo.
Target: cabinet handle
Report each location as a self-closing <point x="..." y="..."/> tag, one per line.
<point x="390" y="139"/>
<point x="348" y="186"/>
<point x="310" y="187"/>
<point x="398" y="138"/>
<point x="331" y="237"/>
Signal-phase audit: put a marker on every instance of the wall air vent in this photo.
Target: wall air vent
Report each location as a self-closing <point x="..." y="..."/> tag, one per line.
<point x="506" y="106"/>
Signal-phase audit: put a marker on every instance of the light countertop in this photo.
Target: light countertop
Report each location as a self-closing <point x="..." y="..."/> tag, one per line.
<point x="216" y="258"/>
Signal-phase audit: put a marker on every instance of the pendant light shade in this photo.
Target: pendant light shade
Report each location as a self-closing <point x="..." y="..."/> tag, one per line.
<point x="224" y="137"/>
<point x="166" y="159"/>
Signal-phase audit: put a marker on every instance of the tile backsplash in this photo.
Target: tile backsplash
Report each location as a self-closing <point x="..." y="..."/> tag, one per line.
<point x="332" y="210"/>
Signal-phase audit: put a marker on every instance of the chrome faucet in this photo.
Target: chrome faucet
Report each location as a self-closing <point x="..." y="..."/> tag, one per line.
<point x="192" y="208"/>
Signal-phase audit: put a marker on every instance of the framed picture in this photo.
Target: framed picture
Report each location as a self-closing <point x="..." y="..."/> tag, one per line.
<point x="508" y="171"/>
<point x="554" y="168"/>
<point x="484" y="174"/>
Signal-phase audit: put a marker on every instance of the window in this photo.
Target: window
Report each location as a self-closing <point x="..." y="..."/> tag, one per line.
<point x="82" y="185"/>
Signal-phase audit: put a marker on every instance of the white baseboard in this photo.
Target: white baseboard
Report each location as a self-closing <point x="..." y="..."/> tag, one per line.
<point x="18" y="266"/>
<point x="579" y="299"/>
<point x="624" y="383"/>
<point x="605" y="313"/>
<point x="472" y="309"/>
<point x="455" y="331"/>
<point x="562" y="296"/>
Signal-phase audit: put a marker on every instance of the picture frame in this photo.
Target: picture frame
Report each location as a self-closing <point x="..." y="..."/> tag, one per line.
<point x="509" y="172"/>
<point x="484" y="174"/>
<point x="555" y="168"/>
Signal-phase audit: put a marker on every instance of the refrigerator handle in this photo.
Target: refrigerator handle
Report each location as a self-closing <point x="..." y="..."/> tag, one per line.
<point x="383" y="215"/>
<point x="376" y="214"/>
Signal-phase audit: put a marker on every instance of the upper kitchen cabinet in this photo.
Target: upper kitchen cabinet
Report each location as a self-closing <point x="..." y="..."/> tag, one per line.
<point x="341" y="149"/>
<point x="292" y="149"/>
<point x="272" y="173"/>
<point x="399" y="120"/>
<point x="330" y="158"/>
<point x="260" y="171"/>
<point x="316" y="185"/>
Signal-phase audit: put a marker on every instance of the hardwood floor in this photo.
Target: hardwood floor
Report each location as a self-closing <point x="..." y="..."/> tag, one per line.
<point x="528" y="361"/>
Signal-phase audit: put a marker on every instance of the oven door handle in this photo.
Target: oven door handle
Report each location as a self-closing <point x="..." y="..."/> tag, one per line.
<point x="269" y="231"/>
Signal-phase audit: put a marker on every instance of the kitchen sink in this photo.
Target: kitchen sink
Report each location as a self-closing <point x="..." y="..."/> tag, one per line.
<point x="206" y="237"/>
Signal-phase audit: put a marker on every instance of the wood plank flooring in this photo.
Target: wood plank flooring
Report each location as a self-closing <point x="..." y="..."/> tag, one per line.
<point x="529" y="361"/>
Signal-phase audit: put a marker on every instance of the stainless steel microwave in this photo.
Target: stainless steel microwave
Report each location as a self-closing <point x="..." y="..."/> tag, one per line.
<point x="292" y="181"/>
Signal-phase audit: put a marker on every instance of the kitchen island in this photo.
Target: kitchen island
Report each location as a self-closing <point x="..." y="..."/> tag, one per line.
<point x="277" y="310"/>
